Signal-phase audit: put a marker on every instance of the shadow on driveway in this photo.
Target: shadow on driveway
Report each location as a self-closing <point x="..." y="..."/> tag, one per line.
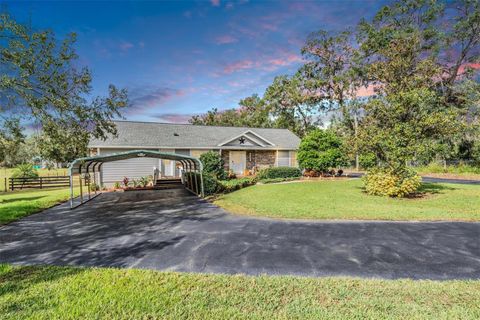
<point x="174" y="230"/>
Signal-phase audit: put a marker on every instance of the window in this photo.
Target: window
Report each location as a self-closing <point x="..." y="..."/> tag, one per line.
<point x="283" y="159"/>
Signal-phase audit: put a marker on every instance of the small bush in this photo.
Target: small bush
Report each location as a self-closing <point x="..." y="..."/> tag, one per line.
<point x="279" y="172"/>
<point x="25" y="171"/>
<point x="367" y="160"/>
<point x="213" y="164"/>
<point x="94" y="187"/>
<point x="235" y="184"/>
<point x="210" y="184"/>
<point x="277" y="180"/>
<point x="116" y="185"/>
<point x="125" y="182"/>
<point x="392" y="183"/>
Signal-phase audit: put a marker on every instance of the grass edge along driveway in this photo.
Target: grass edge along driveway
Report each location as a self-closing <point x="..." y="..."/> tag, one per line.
<point x="102" y="293"/>
<point x="18" y="204"/>
<point x="345" y="199"/>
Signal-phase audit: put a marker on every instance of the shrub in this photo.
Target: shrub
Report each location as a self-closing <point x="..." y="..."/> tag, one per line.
<point x="94" y="187"/>
<point x="321" y="150"/>
<point x="392" y="183"/>
<point x="126" y="182"/>
<point x="116" y="185"/>
<point x="210" y="184"/>
<point x="277" y="180"/>
<point x="25" y="171"/>
<point x="367" y="160"/>
<point x="279" y="172"/>
<point x="235" y="184"/>
<point x="213" y="164"/>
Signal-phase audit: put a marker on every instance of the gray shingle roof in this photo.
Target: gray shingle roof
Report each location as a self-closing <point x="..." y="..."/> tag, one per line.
<point x="167" y="135"/>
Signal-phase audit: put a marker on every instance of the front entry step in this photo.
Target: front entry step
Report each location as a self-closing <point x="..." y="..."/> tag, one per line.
<point x="168" y="183"/>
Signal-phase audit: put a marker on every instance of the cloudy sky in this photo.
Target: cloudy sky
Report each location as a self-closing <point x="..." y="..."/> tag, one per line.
<point x="182" y="58"/>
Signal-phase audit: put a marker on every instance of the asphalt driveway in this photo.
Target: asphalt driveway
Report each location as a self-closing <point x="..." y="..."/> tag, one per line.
<point x="173" y="230"/>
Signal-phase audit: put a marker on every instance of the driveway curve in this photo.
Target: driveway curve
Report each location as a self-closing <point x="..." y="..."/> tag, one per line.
<point x="173" y="230"/>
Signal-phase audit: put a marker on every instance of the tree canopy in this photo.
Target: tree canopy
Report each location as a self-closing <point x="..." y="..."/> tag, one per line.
<point x="41" y="84"/>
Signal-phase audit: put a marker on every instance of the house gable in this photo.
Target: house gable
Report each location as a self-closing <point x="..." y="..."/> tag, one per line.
<point x="247" y="139"/>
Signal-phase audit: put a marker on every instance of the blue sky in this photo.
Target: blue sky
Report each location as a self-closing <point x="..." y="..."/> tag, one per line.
<point x="181" y="58"/>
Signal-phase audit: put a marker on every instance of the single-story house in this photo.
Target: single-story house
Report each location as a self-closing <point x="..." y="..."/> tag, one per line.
<point x="243" y="149"/>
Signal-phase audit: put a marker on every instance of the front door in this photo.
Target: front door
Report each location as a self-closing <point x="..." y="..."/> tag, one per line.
<point x="169" y="169"/>
<point x="238" y="160"/>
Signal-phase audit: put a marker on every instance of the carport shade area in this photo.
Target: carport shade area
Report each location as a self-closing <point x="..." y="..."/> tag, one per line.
<point x="85" y="168"/>
<point x="176" y="230"/>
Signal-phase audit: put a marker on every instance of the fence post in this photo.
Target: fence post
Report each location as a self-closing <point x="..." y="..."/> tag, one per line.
<point x="11" y="183"/>
<point x="41" y="184"/>
<point x="6" y="186"/>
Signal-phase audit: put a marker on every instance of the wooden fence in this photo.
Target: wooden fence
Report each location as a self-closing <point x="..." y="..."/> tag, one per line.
<point x="39" y="183"/>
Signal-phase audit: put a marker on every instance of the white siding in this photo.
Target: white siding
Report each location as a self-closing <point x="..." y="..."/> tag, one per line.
<point x="134" y="168"/>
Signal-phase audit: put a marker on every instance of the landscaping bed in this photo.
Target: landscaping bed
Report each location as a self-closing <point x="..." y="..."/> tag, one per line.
<point x="345" y="199"/>
<point x="95" y="293"/>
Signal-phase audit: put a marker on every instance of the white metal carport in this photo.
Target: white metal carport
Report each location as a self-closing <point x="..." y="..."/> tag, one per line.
<point x="192" y="176"/>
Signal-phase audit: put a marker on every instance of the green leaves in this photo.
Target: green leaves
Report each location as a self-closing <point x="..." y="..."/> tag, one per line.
<point x="321" y="150"/>
<point x="41" y="83"/>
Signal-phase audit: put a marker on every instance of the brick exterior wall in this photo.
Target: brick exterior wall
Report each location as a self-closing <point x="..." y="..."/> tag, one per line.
<point x="265" y="158"/>
<point x="255" y="158"/>
<point x="226" y="159"/>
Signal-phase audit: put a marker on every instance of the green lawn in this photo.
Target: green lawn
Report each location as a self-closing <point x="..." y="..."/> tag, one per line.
<point x="345" y="199"/>
<point x="73" y="293"/>
<point x="18" y="204"/>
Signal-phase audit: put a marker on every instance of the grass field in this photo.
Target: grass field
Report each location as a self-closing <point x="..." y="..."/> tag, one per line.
<point x="18" y="204"/>
<point x="73" y="293"/>
<point x="345" y="199"/>
<point x="7" y="173"/>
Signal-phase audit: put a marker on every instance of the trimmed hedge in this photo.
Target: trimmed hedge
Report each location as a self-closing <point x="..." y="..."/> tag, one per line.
<point x="235" y="184"/>
<point x="277" y="180"/>
<point x="213" y="186"/>
<point x="279" y="172"/>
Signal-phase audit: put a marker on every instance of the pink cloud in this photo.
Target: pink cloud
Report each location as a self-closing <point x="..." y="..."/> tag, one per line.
<point x="269" y="26"/>
<point x="366" y="91"/>
<point x="144" y="98"/>
<point x="463" y="67"/>
<point x="238" y="65"/>
<point x="125" y="46"/>
<point x="285" y="61"/>
<point x="215" y="3"/>
<point x="226" y="39"/>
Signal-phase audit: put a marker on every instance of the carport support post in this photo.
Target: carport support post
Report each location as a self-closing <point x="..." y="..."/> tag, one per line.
<point x="71" y="190"/>
<point x="81" y="189"/>
<point x="202" y="192"/>
<point x="89" y="180"/>
<point x="196" y="177"/>
<point x="95" y="178"/>
<point x="189" y="176"/>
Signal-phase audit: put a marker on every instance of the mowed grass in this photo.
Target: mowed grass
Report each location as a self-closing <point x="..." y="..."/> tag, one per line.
<point x="345" y="199"/>
<point x="18" y="204"/>
<point x="93" y="293"/>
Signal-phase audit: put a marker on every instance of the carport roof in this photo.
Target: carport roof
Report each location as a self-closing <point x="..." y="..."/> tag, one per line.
<point x="82" y="165"/>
